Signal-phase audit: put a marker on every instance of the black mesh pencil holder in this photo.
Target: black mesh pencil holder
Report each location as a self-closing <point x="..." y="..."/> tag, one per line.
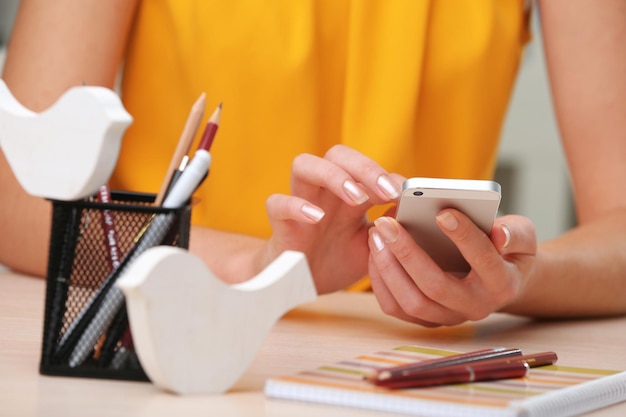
<point x="91" y="243"/>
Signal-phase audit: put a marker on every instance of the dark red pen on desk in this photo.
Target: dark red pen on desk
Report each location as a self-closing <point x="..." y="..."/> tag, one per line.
<point x="513" y="367"/>
<point x="460" y="359"/>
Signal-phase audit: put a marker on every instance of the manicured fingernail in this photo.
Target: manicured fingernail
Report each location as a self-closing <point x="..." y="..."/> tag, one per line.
<point x="355" y="192"/>
<point x="313" y="212"/>
<point x="387" y="186"/>
<point x="507" y="235"/>
<point x="377" y="241"/>
<point x="448" y="221"/>
<point x="388" y="230"/>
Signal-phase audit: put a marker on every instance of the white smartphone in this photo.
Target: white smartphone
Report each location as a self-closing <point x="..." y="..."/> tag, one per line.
<point x="423" y="198"/>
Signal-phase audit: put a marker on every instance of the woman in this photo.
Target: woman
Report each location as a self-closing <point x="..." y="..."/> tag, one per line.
<point x="419" y="87"/>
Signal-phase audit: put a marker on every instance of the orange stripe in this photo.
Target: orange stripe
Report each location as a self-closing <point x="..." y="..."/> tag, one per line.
<point x="380" y="360"/>
<point x="419" y="394"/>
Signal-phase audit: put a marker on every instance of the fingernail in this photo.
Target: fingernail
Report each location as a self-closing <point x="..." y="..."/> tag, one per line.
<point x="388" y="230"/>
<point x="507" y="235"/>
<point x="355" y="192"/>
<point x="313" y="212"/>
<point x="377" y="241"/>
<point x="448" y="221"/>
<point x="387" y="186"/>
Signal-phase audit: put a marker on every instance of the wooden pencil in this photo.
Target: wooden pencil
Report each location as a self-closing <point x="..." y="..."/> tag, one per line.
<point x="184" y="144"/>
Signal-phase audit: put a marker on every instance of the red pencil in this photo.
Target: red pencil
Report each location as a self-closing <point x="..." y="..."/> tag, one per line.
<point x="108" y="225"/>
<point x="211" y="129"/>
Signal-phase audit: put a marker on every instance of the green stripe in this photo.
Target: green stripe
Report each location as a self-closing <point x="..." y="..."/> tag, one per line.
<point x="426" y="351"/>
<point x="341" y="370"/>
<point x="574" y="369"/>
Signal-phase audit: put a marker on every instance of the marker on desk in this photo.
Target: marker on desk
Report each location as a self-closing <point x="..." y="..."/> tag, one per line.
<point x="504" y="368"/>
<point x="459" y="374"/>
<point x="181" y="192"/>
<point x="460" y="359"/>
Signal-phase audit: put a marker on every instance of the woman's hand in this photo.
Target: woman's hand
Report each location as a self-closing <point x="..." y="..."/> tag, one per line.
<point x="410" y="286"/>
<point x="325" y="216"/>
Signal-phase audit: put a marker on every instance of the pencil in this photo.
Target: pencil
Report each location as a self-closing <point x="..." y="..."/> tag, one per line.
<point x="184" y="144"/>
<point x="108" y="226"/>
<point x="211" y="129"/>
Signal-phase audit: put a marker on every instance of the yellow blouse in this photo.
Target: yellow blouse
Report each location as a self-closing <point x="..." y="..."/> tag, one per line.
<point x="421" y="86"/>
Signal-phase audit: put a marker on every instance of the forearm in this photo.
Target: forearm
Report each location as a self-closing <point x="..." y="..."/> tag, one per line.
<point x="579" y="274"/>
<point x="65" y="43"/>
<point x="25" y="225"/>
<point x="54" y="46"/>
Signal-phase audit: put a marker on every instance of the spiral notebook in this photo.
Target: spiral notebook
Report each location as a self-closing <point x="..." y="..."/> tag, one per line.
<point x="550" y="391"/>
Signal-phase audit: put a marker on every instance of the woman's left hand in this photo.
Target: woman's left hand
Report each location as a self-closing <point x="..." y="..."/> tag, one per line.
<point x="411" y="286"/>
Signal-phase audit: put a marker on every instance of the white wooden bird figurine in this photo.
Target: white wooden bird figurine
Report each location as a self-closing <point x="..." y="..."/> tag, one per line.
<point x="67" y="151"/>
<point x="193" y="333"/>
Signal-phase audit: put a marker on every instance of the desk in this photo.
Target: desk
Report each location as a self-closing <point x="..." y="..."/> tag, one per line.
<point x="306" y="337"/>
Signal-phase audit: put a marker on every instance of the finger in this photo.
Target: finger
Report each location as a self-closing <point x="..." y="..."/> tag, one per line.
<point x="286" y="207"/>
<point x="474" y="244"/>
<point x="366" y="171"/>
<point x="398" y="291"/>
<point x="309" y="173"/>
<point x="386" y="300"/>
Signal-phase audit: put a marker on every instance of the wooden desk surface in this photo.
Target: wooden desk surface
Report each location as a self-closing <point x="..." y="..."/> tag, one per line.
<point x="306" y="337"/>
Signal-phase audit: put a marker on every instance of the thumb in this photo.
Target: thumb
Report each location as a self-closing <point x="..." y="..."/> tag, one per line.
<point x="514" y="234"/>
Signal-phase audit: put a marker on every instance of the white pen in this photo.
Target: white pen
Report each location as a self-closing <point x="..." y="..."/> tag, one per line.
<point x="181" y="192"/>
<point x="189" y="180"/>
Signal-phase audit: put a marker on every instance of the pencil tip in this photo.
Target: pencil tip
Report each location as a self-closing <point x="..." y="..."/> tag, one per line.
<point x="217" y="115"/>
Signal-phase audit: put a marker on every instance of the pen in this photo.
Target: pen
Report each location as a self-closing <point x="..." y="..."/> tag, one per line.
<point x="177" y="173"/>
<point x="459" y="374"/>
<point x="64" y="271"/>
<point x="125" y="352"/>
<point x="112" y="337"/>
<point x="182" y="191"/>
<point x="462" y="358"/>
<point x="511" y="367"/>
<point x="113" y="298"/>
